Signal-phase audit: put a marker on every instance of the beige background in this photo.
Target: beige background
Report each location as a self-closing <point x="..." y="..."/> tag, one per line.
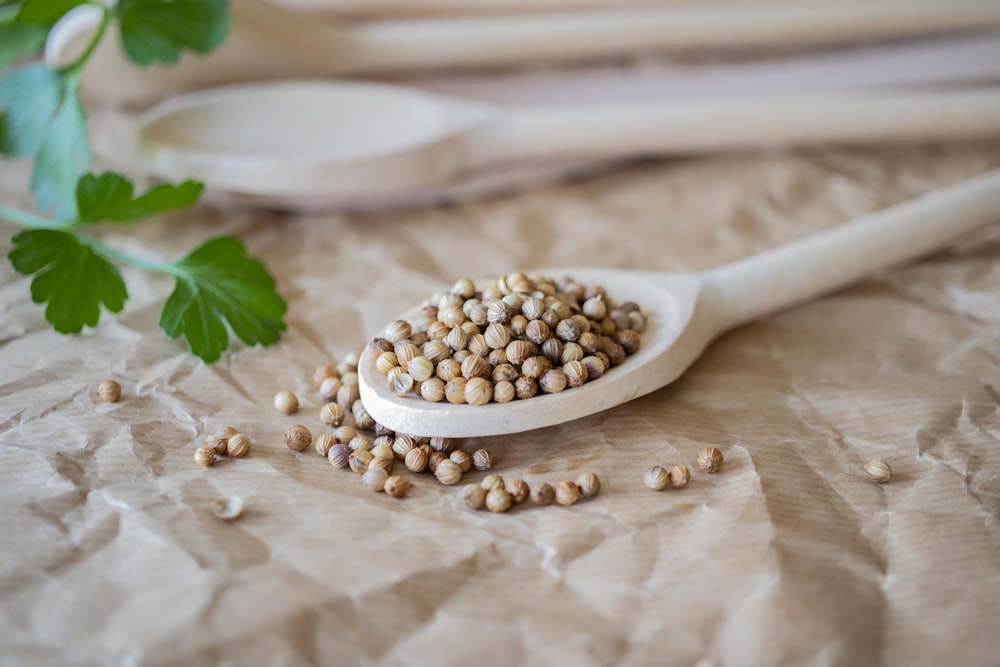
<point x="110" y="554"/>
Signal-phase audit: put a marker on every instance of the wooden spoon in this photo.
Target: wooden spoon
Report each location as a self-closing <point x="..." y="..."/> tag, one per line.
<point x="686" y="311"/>
<point x="321" y="138"/>
<point x="268" y="42"/>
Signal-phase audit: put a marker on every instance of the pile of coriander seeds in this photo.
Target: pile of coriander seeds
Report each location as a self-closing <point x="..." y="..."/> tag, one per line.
<point x="518" y="337"/>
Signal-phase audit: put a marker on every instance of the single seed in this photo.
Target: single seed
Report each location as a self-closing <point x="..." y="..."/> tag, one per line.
<point x="339" y="455"/>
<point x="297" y="437"/>
<point x="576" y="373"/>
<point x="374" y="478"/>
<point x="595" y="308"/>
<point x="396" y="486"/>
<point x="360" y="443"/>
<point x="482" y="460"/>
<point x="571" y="352"/>
<point x="382" y="452"/>
<point x="358" y="460"/>
<point x="537" y="331"/>
<point x="503" y="392"/>
<point x="679" y="476"/>
<point x="553" y="381"/>
<point x="416" y="460"/>
<point x="474" y="496"/>
<point x="454" y="390"/>
<point x="401" y="447"/>
<point x="567" y="492"/>
<point x="497" y="336"/>
<point x="464" y="287"/>
<point x="204" y="456"/>
<point x="457" y="339"/>
<point x="656" y="478"/>
<point x="543" y="494"/>
<point x="629" y="340"/>
<point x="218" y="445"/>
<point x="499" y="313"/>
<point x="498" y="500"/>
<point x="329" y="387"/>
<point x="710" y="460"/>
<point x="434" y="459"/>
<point x="400" y="383"/>
<point x="442" y="444"/>
<point x="322" y="372"/>
<point x="384" y="464"/>
<point x="475" y="367"/>
<point x="432" y="390"/>
<point x="477" y="345"/>
<point x="228" y="508"/>
<point x="478" y="391"/>
<point x="238" y="446"/>
<point x="452" y="316"/>
<point x="347" y="394"/>
<point x="878" y="471"/>
<point x="491" y="482"/>
<point x="518" y="324"/>
<point x="594" y="366"/>
<point x="386" y="362"/>
<point x="525" y="387"/>
<point x="362" y="419"/>
<point x="448" y="472"/>
<point x="332" y="414"/>
<point x="535" y="367"/>
<point x="345" y="434"/>
<point x="532" y="308"/>
<point x="397" y="330"/>
<point x="287" y="402"/>
<point x="589" y="484"/>
<point x="420" y="368"/>
<point x="324" y="443"/>
<point x="448" y="370"/>
<point x="519" y="490"/>
<point x="462" y="458"/>
<point x="109" y="391"/>
<point x="226" y="432"/>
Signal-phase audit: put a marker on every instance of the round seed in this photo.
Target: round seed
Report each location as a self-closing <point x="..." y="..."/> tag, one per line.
<point x="109" y="391"/>
<point x="297" y="437"/>
<point x="878" y="471"/>
<point x="287" y="402"/>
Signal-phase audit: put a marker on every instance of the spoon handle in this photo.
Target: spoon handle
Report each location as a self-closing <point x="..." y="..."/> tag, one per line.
<point x="851" y="118"/>
<point x="802" y="270"/>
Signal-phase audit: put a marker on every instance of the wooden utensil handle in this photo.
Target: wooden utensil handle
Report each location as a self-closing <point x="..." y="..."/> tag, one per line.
<point x="852" y="118"/>
<point x="796" y="272"/>
<point x="389" y="45"/>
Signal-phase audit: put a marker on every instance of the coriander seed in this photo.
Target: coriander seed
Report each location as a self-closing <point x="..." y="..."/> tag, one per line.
<point x="434" y="459"/>
<point x="454" y="390"/>
<point x="362" y="419"/>
<point x="589" y="484"/>
<point x="420" y="368"/>
<point x="287" y="402"/>
<point x="474" y="496"/>
<point x="498" y="500"/>
<point x="525" y="387"/>
<point x="329" y="387"/>
<point x="710" y="460"/>
<point x="358" y="460"/>
<point x="491" y="482"/>
<point x="332" y="414"/>
<point x="519" y="490"/>
<point x="397" y="330"/>
<point x="345" y="434"/>
<point x="482" y="459"/>
<point x="396" y="487"/>
<point x="297" y="437"/>
<point x="878" y="471"/>
<point x="553" y="381"/>
<point x="217" y="445"/>
<point x="401" y="447"/>
<point x="462" y="458"/>
<point x="432" y="390"/>
<point x="228" y="508"/>
<point x="400" y="383"/>
<point x="503" y="392"/>
<point x="440" y="444"/>
<point x="448" y="472"/>
<point x="360" y="443"/>
<point x="339" y="455"/>
<point x="679" y="476"/>
<point x="109" y="391"/>
<point x="415" y="460"/>
<point x="374" y="478"/>
<point x="238" y="446"/>
<point x="384" y="464"/>
<point x="567" y="492"/>
<point x="382" y="452"/>
<point x="204" y="456"/>
<point x="347" y="394"/>
<point x="656" y="478"/>
<point x="543" y="494"/>
<point x="322" y="372"/>
<point x="478" y="391"/>
<point x="386" y="362"/>
<point x="576" y="373"/>
<point x="323" y="444"/>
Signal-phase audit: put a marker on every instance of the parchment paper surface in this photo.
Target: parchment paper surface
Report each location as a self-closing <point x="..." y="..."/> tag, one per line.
<point x="110" y="555"/>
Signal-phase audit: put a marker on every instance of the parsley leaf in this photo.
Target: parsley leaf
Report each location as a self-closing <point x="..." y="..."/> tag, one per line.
<point x="219" y="283"/>
<point x="19" y="40"/>
<point x="155" y="31"/>
<point x="41" y="117"/>
<point x="45" y="12"/>
<point x="71" y="278"/>
<point x="109" y="197"/>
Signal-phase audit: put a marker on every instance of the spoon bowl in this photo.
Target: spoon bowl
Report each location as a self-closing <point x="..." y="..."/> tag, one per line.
<point x="322" y="138"/>
<point x="686" y="311"/>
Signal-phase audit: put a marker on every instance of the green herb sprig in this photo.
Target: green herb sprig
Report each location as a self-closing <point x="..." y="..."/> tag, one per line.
<point x="42" y="119"/>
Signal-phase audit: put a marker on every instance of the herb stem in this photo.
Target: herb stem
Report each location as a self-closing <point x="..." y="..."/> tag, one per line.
<point x="111" y="253"/>
<point x="25" y="219"/>
<point x="77" y="65"/>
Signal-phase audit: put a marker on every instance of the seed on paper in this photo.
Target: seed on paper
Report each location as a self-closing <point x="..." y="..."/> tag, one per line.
<point x="109" y="391"/>
<point x="228" y="508"/>
<point x="878" y="471"/>
<point x="710" y="460"/>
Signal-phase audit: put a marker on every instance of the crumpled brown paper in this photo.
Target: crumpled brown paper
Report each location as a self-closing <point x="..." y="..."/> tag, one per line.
<point x="790" y="556"/>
